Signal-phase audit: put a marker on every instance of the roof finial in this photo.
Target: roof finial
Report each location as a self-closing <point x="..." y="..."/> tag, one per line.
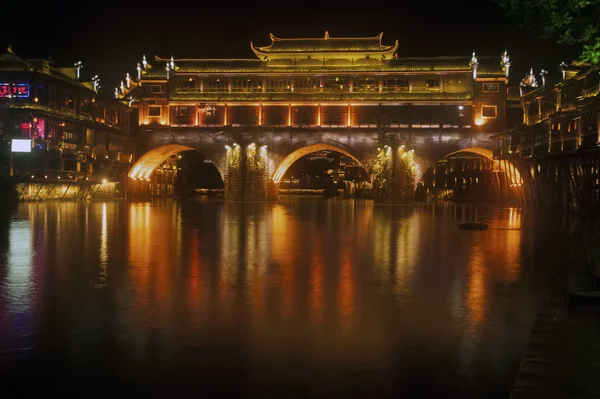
<point x="78" y="65"/>
<point x="9" y="48"/>
<point x="474" y="64"/>
<point x="326" y="35"/>
<point x="505" y="62"/>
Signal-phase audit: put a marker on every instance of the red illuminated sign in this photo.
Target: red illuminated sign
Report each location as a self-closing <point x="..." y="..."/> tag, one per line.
<point x="20" y="90"/>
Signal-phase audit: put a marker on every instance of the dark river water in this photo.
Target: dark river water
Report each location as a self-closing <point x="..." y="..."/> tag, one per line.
<point x="302" y="298"/>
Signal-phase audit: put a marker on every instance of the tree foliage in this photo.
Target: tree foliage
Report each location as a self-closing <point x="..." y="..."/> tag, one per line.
<point x="571" y="22"/>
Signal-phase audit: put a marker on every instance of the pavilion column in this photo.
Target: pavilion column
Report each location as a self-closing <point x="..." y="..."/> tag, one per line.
<point x="225" y="116"/>
<point x="264" y="85"/>
<point x="349" y="115"/>
<point x="260" y="114"/>
<point x="319" y="115"/>
<point x="289" y="118"/>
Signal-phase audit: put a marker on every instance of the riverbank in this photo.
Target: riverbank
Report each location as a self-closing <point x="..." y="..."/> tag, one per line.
<point x="561" y="360"/>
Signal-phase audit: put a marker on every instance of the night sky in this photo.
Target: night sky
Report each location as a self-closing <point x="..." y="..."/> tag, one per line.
<point x="110" y="37"/>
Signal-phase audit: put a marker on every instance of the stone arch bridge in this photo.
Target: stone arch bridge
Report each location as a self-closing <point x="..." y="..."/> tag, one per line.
<point x="252" y="161"/>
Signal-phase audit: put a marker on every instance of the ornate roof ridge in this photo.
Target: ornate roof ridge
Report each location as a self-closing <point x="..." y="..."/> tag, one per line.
<point x="324" y="45"/>
<point x="326" y="37"/>
<point x="10" y="57"/>
<point x="160" y="59"/>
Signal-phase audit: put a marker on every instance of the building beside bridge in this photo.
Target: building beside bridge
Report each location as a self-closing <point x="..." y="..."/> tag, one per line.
<point x="557" y="119"/>
<point x="352" y="95"/>
<point x="556" y="145"/>
<point x="66" y="129"/>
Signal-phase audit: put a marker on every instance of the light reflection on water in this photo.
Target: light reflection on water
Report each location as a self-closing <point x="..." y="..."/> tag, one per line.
<point x="304" y="296"/>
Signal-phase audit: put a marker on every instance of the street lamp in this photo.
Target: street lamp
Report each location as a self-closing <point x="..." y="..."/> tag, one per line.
<point x="478" y="122"/>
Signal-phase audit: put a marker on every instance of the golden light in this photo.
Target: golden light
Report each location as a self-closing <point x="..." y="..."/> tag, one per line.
<point x="148" y="162"/>
<point x="479" y="121"/>
<point x="35" y="99"/>
<point x="104" y="181"/>
<point x="299" y="153"/>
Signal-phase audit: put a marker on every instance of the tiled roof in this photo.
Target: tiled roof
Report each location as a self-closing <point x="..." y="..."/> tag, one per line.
<point x="157" y="72"/>
<point x="395" y="96"/>
<point x="407" y="64"/>
<point x="489" y="67"/>
<point x="10" y="62"/>
<point x="325" y="45"/>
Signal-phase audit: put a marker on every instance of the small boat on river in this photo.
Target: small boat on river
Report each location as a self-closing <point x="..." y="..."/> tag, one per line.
<point x="473" y="226"/>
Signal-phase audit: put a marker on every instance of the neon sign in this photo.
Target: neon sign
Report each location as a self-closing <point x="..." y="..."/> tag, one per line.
<point x="19" y="90"/>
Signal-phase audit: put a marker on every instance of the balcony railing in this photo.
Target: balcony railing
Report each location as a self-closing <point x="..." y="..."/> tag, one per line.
<point x="67" y="111"/>
<point x="592" y="91"/>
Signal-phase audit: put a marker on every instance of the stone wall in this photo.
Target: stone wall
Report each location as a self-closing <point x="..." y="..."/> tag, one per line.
<point x="246" y="173"/>
<point x="248" y="176"/>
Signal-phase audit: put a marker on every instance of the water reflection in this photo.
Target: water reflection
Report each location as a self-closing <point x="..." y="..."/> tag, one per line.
<point x="103" y="250"/>
<point x="18" y="284"/>
<point x="338" y="296"/>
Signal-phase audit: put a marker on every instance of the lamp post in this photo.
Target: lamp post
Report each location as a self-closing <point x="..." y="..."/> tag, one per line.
<point x="478" y="122"/>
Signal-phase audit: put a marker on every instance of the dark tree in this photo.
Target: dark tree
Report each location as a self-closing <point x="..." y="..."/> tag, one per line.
<point x="571" y="22"/>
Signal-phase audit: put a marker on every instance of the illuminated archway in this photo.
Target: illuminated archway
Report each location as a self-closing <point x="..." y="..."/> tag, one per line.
<point x="289" y="160"/>
<point x="151" y="160"/>
<point x="505" y="166"/>
<point x="511" y="171"/>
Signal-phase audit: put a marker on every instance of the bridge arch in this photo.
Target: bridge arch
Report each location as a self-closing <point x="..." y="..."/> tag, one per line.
<point x="283" y="163"/>
<point x="472" y="174"/>
<point x="503" y="165"/>
<point x="147" y="163"/>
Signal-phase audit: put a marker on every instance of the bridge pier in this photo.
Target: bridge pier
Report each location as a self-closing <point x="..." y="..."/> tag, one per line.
<point x="246" y="173"/>
<point x="394" y="175"/>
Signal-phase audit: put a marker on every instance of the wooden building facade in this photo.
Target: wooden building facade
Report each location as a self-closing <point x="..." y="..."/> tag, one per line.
<point x="326" y="83"/>
<point x="75" y="131"/>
